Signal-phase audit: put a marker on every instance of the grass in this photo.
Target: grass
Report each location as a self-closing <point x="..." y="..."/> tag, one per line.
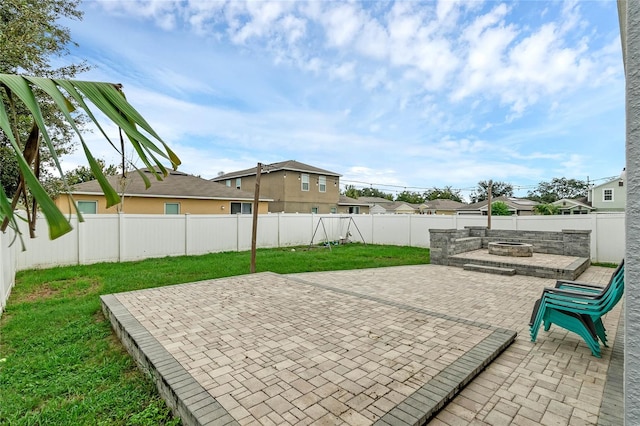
<point x="60" y="363"/>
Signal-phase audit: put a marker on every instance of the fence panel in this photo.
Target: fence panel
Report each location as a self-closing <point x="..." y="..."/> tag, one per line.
<point x="8" y="265"/>
<point x="211" y="233"/>
<point x="295" y="229"/>
<point x="98" y="238"/>
<point x="609" y="245"/>
<point x="41" y="252"/>
<point x="147" y="236"/>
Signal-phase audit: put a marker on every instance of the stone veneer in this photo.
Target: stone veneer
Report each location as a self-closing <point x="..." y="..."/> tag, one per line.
<point x="449" y="242"/>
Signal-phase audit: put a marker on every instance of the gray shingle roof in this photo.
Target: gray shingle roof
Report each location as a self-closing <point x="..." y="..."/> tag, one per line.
<point x="513" y="202"/>
<point x="176" y="185"/>
<point x="289" y="165"/>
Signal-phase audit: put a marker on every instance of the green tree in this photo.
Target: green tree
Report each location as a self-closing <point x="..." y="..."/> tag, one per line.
<point x="56" y="185"/>
<point x="446" y="193"/>
<point x="500" y="208"/>
<point x="31" y="35"/>
<point x="498" y="189"/>
<point x="546" y="209"/>
<point x="410" y="197"/>
<point x="375" y="192"/>
<point x="351" y="191"/>
<point x="106" y="97"/>
<point x="557" y="189"/>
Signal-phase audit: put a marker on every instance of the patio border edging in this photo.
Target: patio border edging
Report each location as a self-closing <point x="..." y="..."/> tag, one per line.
<point x="182" y="393"/>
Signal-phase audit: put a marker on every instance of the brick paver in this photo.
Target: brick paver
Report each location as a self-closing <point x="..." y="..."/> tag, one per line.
<point x="553" y="381"/>
<point x="355" y="347"/>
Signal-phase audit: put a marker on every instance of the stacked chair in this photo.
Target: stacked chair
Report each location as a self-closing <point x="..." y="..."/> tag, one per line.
<point x="578" y="307"/>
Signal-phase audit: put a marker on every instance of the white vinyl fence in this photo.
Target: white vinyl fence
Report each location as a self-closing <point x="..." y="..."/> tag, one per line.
<point x="9" y="249"/>
<point x="127" y="237"/>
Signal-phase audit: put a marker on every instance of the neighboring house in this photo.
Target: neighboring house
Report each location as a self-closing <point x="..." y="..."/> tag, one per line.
<point x="352" y="206"/>
<point x="177" y="193"/>
<point x="442" y="206"/>
<point x="293" y="187"/>
<point x="517" y="206"/>
<point x="571" y="206"/>
<point x="394" y="207"/>
<point x="610" y="196"/>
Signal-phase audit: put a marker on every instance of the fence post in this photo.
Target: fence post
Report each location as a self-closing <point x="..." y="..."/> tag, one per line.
<point x="186" y="233"/>
<point x="79" y="241"/>
<point x="121" y="244"/>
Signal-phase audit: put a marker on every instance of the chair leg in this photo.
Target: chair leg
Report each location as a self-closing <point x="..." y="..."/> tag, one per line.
<point x="575" y="323"/>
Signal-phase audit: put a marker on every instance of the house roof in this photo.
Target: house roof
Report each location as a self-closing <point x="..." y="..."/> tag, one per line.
<point x="289" y="165"/>
<point x="512" y="202"/>
<point x="616" y="180"/>
<point x="343" y="200"/>
<point x="444" y="204"/>
<point x="175" y="185"/>
<point x="374" y="200"/>
<point x="569" y="203"/>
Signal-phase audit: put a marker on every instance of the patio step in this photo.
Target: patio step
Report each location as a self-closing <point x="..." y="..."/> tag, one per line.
<point x="489" y="269"/>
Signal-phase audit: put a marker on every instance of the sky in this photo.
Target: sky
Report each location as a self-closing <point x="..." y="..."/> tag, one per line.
<point x="404" y="95"/>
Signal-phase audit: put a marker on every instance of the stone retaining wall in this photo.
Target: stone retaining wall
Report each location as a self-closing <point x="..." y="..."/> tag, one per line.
<point x="449" y="242"/>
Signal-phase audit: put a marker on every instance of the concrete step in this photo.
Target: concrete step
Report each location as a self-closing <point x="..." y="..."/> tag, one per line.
<point x="489" y="269"/>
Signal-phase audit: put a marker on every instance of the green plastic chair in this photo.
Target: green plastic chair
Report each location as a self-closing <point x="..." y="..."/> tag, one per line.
<point x="578" y="307"/>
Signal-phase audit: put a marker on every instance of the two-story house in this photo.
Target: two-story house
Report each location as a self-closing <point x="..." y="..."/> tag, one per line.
<point x="292" y="186"/>
<point x="610" y="196"/>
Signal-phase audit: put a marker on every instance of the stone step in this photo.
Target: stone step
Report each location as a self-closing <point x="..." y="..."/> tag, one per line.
<point x="489" y="269"/>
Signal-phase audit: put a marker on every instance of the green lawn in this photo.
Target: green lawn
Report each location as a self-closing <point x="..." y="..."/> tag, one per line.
<point x="60" y="363"/>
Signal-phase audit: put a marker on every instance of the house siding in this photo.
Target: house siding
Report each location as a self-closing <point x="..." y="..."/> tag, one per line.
<point x="284" y="187"/>
<point x="155" y="205"/>
<point x="619" y="197"/>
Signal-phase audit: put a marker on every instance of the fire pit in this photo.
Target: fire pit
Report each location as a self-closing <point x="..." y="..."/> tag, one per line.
<point x="504" y="248"/>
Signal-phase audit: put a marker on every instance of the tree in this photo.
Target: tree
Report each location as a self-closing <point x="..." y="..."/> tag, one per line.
<point x="375" y="192"/>
<point x="109" y="99"/>
<point x="446" y="193"/>
<point x="498" y="189"/>
<point x="55" y="185"/>
<point x="557" y="189"/>
<point x="410" y="197"/>
<point x="351" y="191"/>
<point x="30" y="36"/>
<point x="500" y="208"/>
<point x="546" y="209"/>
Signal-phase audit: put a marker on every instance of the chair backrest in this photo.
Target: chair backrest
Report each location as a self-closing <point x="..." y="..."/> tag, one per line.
<point x="619" y="271"/>
<point x="616" y="288"/>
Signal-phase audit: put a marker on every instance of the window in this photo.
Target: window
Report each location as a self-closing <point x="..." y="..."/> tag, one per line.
<point x="228" y="183"/>
<point x="238" y="182"/>
<point x="88" y="207"/>
<point x="240" y="208"/>
<point x="322" y="183"/>
<point x="305" y="181"/>
<point x="607" y="195"/>
<point x="171" y="208"/>
<point x="354" y="209"/>
<point x="314" y="210"/>
<point x="334" y="210"/>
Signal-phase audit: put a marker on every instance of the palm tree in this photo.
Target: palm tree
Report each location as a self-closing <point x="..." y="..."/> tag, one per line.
<point x="69" y="96"/>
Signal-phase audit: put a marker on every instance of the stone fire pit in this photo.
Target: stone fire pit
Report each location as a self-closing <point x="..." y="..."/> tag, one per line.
<point x="504" y="248"/>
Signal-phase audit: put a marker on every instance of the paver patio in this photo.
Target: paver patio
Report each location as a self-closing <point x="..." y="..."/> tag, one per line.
<point x="363" y="346"/>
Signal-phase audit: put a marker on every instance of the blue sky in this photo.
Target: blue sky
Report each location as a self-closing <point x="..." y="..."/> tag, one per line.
<point x="393" y="95"/>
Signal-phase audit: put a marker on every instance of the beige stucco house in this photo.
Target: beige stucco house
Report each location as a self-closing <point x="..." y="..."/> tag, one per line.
<point x="177" y="193"/>
<point x="292" y="187"/>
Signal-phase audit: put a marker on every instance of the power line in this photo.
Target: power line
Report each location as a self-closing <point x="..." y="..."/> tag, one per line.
<point x="400" y="188"/>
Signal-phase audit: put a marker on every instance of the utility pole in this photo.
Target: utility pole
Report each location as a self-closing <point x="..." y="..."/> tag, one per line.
<point x="489" y="204"/>
<point x="254" y="228"/>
